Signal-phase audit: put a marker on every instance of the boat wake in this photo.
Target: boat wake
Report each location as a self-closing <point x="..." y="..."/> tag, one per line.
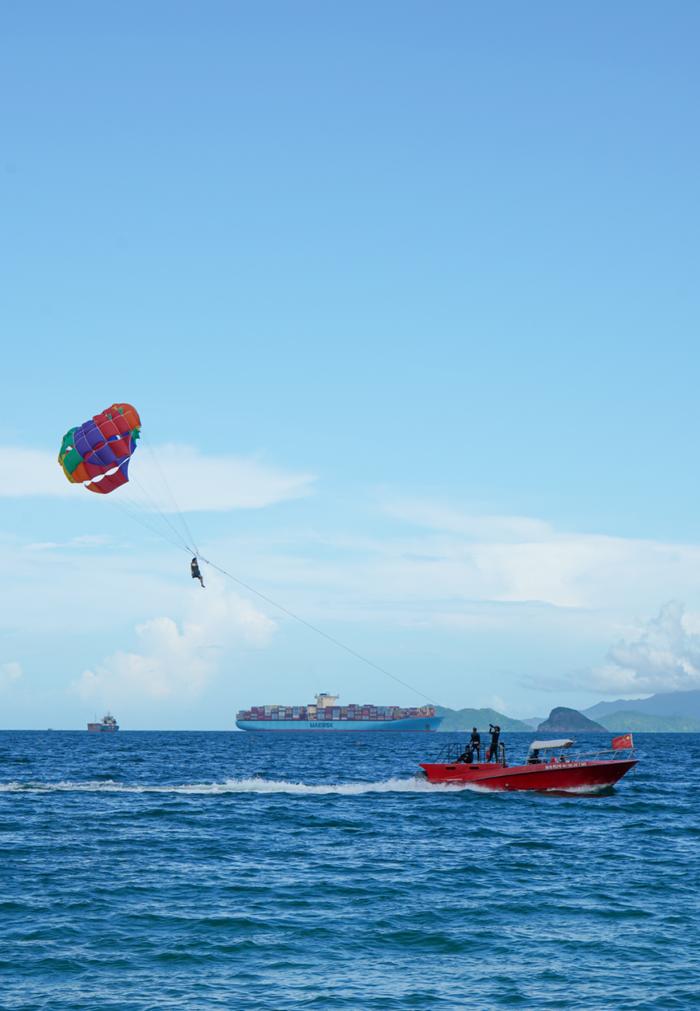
<point x="595" y="790"/>
<point x="253" y="785"/>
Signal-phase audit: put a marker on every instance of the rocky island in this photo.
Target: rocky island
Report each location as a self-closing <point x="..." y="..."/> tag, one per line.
<point x="570" y="721"/>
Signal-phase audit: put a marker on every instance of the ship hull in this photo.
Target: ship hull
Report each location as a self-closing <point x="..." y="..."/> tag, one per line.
<point x="412" y="724"/>
<point x="98" y="728"/>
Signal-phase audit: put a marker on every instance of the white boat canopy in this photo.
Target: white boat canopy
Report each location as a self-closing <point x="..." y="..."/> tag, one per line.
<point x="544" y="745"/>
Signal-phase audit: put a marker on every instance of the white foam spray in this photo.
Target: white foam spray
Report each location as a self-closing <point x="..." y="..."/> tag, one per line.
<point x="414" y="785"/>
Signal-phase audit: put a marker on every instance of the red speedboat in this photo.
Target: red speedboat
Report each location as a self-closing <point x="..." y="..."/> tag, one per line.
<point x="549" y="767"/>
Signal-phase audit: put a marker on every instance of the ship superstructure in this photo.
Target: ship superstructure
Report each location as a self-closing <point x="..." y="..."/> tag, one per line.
<point x="107" y="725"/>
<point x="326" y="714"/>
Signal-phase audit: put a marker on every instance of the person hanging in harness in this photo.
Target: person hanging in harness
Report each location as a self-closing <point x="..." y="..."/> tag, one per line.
<point x="194" y="569"/>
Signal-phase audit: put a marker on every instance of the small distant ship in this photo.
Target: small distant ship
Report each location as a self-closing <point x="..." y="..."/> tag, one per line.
<point x="326" y="714"/>
<point x="107" y="725"/>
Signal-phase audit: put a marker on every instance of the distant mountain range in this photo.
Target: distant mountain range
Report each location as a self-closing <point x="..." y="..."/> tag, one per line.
<point x="686" y="704"/>
<point x="628" y="720"/>
<point x="534" y="721"/>
<point x="666" y="712"/>
<point x="461" y="720"/>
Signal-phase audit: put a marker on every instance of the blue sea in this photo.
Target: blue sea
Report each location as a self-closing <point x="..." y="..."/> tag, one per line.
<point x="144" y="871"/>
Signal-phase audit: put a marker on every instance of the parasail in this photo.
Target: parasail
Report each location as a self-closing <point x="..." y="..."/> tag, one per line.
<point x="97" y="453"/>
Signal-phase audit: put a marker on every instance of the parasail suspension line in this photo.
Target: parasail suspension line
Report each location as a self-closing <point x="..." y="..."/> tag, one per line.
<point x="185" y="525"/>
<point x="319" y="631"/>
<point x="164" y="516"/>
<point x="136" y="513"/>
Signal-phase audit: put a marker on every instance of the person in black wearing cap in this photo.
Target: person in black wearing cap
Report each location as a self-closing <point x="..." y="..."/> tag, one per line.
<point x="475" y="742"/>
<point x="495" y="732"/>
<point x="473" y="746"/>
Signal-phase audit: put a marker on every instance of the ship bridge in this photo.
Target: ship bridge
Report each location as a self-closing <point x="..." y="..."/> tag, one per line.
<point x="323" y="699"/>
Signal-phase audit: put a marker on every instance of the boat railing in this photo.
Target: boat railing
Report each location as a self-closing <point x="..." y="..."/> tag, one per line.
<point x="602" y="754"/>
<point x="454" y="751"/>
<point x="564" y="757"/>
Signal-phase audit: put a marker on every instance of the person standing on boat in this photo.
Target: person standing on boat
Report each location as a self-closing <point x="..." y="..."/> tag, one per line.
<point x="495" y="732"/>
<point x="475" y="742"/>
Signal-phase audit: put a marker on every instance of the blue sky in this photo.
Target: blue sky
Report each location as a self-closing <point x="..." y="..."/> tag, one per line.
<point x="412" y="289"/>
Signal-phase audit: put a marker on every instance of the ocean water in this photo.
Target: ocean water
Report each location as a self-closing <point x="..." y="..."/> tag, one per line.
<point x="143" y="871"/>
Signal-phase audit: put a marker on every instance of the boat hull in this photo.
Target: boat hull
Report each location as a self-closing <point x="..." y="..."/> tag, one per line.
<point x="412" y="724"/>
<point x="579" y="777"/>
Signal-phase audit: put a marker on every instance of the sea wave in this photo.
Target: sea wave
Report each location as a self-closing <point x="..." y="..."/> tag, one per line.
<point x="258" y="863"/>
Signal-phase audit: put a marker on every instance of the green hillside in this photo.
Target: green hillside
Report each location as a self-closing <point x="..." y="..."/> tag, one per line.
<point x="623" y="720"/>
<point x="460" y="720"/>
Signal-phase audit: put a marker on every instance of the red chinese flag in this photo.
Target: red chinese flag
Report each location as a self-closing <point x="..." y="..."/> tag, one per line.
<point x="624" y="741"/>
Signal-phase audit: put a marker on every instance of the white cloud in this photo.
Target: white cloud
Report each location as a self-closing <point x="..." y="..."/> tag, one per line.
<point x="497" y="702"/>
<point x="32" y="472"/>
<point x="83" y="541"/>
<point x="215" y="483"/>
<point x="10" y="673"/>
<point x="196" y="481"/>
<point x="474" y="526"/>
<point x="664" y="657"/>
<point x="519" y="560"/>
<point x="178" y="659"/>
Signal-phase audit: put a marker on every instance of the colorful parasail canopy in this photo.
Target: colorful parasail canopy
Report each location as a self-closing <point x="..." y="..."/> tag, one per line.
<point x="97" y="453"/>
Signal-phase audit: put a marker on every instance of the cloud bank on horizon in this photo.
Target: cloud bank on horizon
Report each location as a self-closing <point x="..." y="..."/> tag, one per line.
<point x="442" y="571"/>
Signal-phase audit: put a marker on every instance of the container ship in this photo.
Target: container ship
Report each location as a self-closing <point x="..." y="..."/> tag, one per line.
<point x="107" y="725"/>
<point x="326" y="714"/>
